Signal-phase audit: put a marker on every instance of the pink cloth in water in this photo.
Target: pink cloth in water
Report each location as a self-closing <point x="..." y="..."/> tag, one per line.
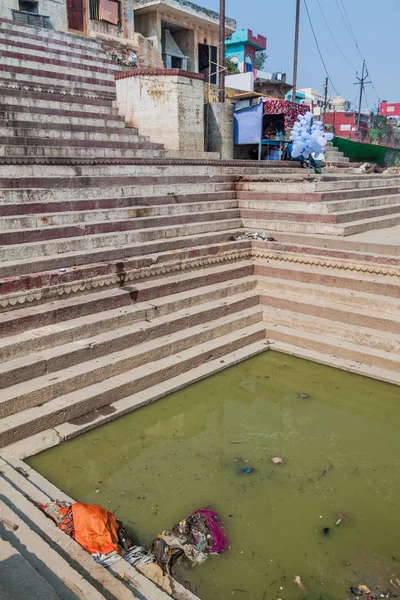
<point x="220" y="540"/>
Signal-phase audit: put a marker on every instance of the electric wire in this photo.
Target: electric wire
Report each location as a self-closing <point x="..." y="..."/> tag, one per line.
<point x="319" y="50"/>
<point x="334" y="39"/>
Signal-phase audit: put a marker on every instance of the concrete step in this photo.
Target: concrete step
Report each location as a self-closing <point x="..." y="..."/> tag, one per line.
<point x="140" y="223"/>
<point x="217" y="339"/>
<point x="307" y="187"/>
<point x="106" y="312"/>
<point x="338" y="348"/>
<point x="60" y="219"/>
<point x="39" y="378"/>
<point x="261" y="192"/>
<point x="122" y="202"/>
<point x="366" y="282"/>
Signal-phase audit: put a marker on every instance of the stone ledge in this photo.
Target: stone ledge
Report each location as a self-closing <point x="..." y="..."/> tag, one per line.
<point x="158" y="72"/>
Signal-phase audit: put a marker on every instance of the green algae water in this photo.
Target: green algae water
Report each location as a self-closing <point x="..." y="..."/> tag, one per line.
<point x="340" y="445"/>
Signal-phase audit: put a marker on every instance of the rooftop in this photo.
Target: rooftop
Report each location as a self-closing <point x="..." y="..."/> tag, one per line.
<point x="246" y="36"/>
<point x="197" y="12"/>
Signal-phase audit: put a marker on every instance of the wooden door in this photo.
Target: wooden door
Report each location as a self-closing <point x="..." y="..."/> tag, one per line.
<point x="75" y="14"/>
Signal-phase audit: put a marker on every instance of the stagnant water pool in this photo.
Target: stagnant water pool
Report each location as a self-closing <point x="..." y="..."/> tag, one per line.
<point x="341" y="451"/>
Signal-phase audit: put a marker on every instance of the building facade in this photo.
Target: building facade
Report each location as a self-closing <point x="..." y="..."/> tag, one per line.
<point x="184" y="34"/>
<point x="345" y="125"/>
<point x="390" y="110"/>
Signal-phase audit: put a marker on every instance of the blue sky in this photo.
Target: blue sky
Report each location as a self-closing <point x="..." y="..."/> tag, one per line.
<point x="375" y="25"/>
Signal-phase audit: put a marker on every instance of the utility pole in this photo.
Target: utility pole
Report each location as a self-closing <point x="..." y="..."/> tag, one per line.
<point x="326" y="97"/>
<point x="362" y="82"/>
<point x="221" y="75"/>
<point x="296" y="50"/>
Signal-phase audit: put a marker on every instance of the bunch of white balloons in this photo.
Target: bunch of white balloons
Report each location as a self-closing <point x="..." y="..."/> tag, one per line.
<point x="308" y="137"/>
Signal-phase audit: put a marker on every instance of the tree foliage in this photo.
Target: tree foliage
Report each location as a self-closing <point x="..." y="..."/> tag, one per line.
<point x="381" y="131"/>
<point x="261" y="59"/>
<point x="231" y="68"/>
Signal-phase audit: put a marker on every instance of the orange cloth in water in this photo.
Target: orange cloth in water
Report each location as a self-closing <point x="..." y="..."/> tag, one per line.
<point x="96" y="529"/>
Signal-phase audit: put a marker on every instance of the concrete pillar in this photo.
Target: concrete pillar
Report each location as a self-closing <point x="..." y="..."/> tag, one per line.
<point x="167" y="105"/>
<point x="220" y="129"/>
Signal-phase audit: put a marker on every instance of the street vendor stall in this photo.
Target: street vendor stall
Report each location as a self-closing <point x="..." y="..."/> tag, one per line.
<point x="267" y="123"/>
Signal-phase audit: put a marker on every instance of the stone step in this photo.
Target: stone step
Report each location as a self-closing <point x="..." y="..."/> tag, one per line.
<point x="24" y="189"/>
<point x="39" y="378"/>
<point x="315" y="250"/>
<point x="19" y="61"/>
<point x="82" y="140"/>
<point x="357" y="226"/>
<point x="299" y="271"/>
<point x="17" y="576"/>
<point x="15" y="52"/>
<point x="141" y="223"/>
<point x="26" y="46"/>
<point x="92" y="151"/>
<point x="82" y="243"/>
<point x="15" y="28"/>
<point x="35" y="568"/>
<point x="329" y="356"/>
<point x="105" y="257"/>
<point x="119" y="408"/>
<point x="366" y="337"/>
<point x="337" y="348"/>
<point x="92" y="319"/>
<point x="218" y="338"/>
<point x="31" y="117"/>
<point x="65" y="131"/>
<point x="104" y="204"/>
<point x="60" y="219"/>
<point x="302" y="184"/>
<point x="286" y="213"/>
<point x="82" y="577"/>
<point x="79" y="305"/>
<point x="341" y="298"/>
<point x="47" y="100"/>
<point x="262" y="193"/>
<point x="83" y="84"/>
<point x="324" y="308"/>
<point x="321" y="207"/>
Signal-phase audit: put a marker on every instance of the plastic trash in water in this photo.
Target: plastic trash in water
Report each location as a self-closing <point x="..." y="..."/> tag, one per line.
<point x="246" y="470"/>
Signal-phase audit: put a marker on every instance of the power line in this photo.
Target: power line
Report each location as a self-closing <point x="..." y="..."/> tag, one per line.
<point x="348" y="27"/>
<point x="318" y="48"/>
<point x="333" y="37"/>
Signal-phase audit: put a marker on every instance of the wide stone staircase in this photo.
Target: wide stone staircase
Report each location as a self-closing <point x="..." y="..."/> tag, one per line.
<point x="57" y="94"/>
<point x="331" y="205"/>
<point x="334" y="156"/>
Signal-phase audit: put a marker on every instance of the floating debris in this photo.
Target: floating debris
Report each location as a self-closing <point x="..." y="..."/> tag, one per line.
<point x="325" y="471"/>
<point x="246" y="470"/>
<point x="277" y="460"/>
<point x="297" y="580"/>
<point x="326" y="530"/>
<point x="304" y="396"/>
